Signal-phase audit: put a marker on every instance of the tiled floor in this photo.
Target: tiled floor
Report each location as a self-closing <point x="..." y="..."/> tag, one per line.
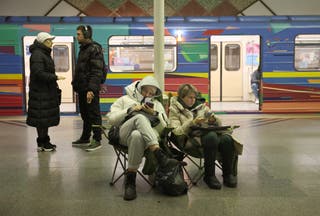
<point x="279" y="174"/>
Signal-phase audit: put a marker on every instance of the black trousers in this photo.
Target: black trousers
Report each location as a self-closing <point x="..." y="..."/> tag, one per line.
<point x="90" y="114"/>
<point x="42" y="132"/>
<point x="212" y="144"/>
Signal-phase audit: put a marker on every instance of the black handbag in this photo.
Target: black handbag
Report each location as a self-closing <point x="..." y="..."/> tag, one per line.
<point x="113" y="135"/>
<point x="154" y="120"/>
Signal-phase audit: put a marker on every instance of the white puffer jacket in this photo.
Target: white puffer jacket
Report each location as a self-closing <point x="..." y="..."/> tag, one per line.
<point x="118" y="110"/>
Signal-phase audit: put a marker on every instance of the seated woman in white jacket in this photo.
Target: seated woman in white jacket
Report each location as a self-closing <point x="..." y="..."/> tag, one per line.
<point x="136" y="131"/>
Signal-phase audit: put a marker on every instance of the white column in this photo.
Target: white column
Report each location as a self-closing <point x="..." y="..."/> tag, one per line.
<point x="158" y="20"/>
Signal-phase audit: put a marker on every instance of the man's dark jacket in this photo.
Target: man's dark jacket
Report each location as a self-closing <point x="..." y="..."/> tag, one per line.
<point x="89" y="67"/>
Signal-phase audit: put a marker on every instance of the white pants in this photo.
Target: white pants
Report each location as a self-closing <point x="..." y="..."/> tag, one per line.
<point x="138" y="135"/>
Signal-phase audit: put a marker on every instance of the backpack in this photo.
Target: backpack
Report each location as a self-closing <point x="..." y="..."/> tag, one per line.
<point x="170" y="180"/>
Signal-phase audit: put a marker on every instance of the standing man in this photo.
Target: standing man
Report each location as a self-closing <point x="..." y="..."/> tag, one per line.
<point x="255" y="84"/>
<point x="86" y="82"/>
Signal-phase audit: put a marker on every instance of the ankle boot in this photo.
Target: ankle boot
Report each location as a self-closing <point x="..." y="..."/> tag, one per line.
<point x="47" y="146"/>
<point x="212" y="182"/>
<point x="209" y="177"/>
<point x="230" y="181"/>
<point x="130" y="186"/>
<point x="40" y="143"/>
<point x="164" y="160"/>
<point x="50" y="144"/>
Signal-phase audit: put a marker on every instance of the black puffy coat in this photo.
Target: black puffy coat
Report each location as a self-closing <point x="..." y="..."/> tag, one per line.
<point x="89" y="68"/>
<point x="43" y="104"/>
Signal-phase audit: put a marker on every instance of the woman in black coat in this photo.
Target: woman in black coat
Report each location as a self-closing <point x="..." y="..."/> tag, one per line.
<point x="44" y="100"/>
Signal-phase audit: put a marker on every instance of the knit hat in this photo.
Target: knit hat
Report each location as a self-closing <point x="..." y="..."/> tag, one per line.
<point x="42" y="36"/>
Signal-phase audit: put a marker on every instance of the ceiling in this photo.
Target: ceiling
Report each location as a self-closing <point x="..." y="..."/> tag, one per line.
<point x="145" y="7"/>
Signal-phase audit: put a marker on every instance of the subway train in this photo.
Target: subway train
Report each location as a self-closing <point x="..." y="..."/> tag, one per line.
<point x="216" y="54"/>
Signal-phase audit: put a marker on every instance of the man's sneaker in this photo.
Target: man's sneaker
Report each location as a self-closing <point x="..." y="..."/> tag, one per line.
<point x="81" y="142"/>
<point x="94" y="145"/>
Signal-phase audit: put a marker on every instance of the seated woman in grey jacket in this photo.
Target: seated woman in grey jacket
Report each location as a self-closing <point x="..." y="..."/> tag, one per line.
<point x="185" y="112"/>
<point x="136" y="130"/>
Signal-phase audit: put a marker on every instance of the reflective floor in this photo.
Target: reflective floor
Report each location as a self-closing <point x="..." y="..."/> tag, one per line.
<point x="279" y="173"/>
<point x="235" y="107"/>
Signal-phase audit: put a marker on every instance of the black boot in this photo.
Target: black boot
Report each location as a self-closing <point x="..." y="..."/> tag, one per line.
<point x="130" y="192"/>
<point x="47" y="146"/>
<point x="164" y="160"/>
<point x="230" y="180"/>
<point x="228" y="162"/>
<point x="53" y="145"/>
<point x="209" y="153"/>
<point x="40" y="142"/>
<point x="209" y="177"/>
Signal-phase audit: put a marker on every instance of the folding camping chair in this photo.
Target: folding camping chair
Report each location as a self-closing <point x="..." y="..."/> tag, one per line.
<point x="196" y="157"/>
<point x="121" y="159"/>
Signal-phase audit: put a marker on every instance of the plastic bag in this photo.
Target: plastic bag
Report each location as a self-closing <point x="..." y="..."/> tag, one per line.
<point x="170" y="180"/>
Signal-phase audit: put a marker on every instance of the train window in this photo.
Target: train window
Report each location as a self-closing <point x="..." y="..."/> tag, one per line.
<point x="214" y="57"/>
<point x="135" y="53"/>
<point x="307" y="52"/>
<point x="232" y="57"/>
<point x="61" y="58"/>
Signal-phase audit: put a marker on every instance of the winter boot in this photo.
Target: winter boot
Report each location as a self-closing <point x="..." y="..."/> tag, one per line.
<point x="40" y="142"/>
<point x="209" y="153"/>
<point x="54" y="146"/>
<point x="230" y="180"/>
<point x="164" y="160"/>
<point x="130" y="192"/>
<point x="47" y="146"/>
<point x="209" y="177"/>
<point x="209" y="173"/>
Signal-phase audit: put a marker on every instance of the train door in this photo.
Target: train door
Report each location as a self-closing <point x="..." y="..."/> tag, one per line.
<point x="232" y="60"/>
<point x="62" y="54"/>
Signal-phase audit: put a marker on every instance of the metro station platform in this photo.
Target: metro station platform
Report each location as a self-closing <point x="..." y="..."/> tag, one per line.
<point x="278" y="173"/>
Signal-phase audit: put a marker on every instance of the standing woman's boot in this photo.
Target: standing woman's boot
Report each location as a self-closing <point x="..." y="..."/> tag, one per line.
<point x="47" y="146"/>
<point x="130" y="192"/>
<point x="54" y="146"/>
<point x="40" y="142"/>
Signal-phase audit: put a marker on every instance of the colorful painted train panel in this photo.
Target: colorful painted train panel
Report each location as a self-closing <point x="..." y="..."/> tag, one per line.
<point x="217" y="54"/>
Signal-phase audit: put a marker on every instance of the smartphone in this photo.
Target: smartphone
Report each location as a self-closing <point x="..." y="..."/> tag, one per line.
<point x="149" y="102"/>
<point x="209" y="114"/>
